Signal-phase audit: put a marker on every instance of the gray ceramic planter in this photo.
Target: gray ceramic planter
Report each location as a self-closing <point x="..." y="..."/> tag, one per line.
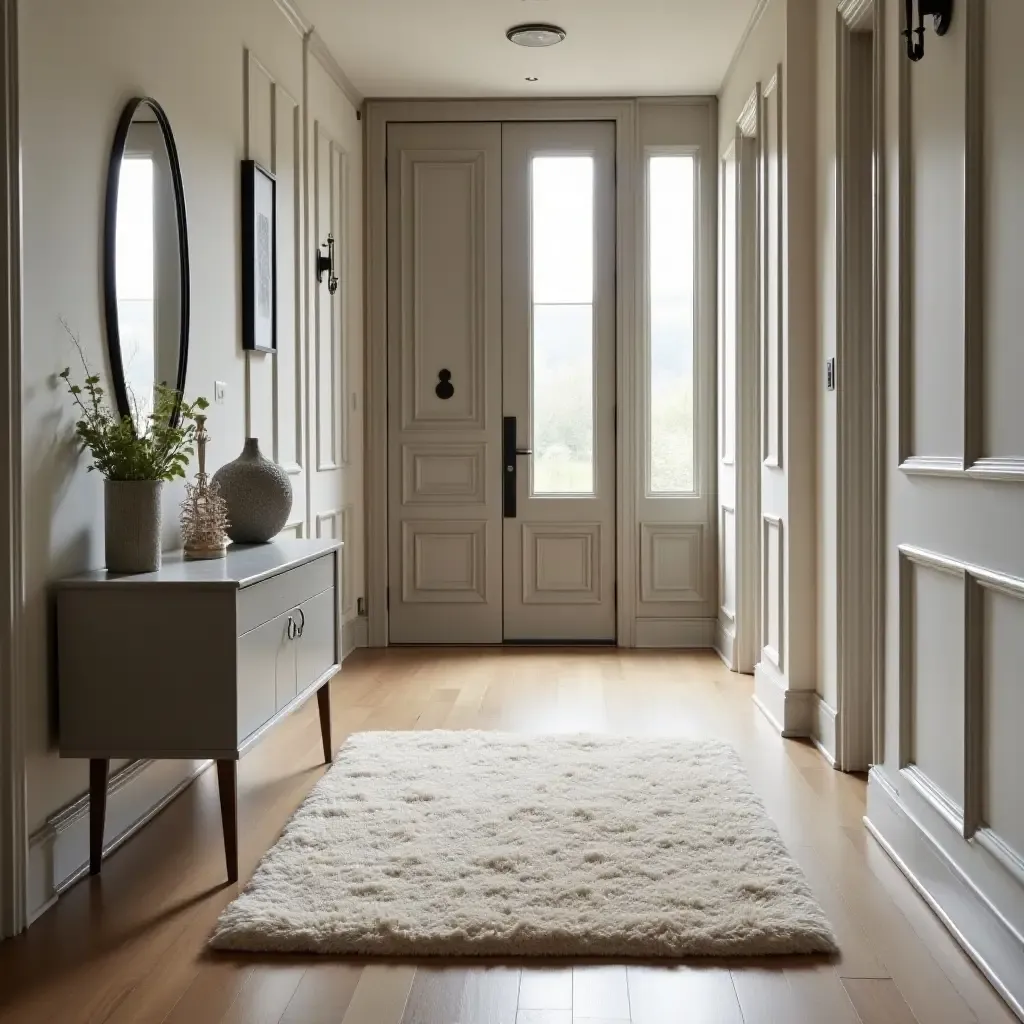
<point x="132" y="514"/>
<point x="258" y="493"/>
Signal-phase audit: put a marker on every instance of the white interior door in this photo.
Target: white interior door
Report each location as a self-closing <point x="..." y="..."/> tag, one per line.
<point x="501" y="327"/>
<point x="558" y="244"/>
<point x="444" y="383"/>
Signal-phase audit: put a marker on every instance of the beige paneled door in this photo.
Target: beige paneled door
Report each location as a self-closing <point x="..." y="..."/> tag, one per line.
<point x="558" y="355"/>
<point x="501" y="337"/>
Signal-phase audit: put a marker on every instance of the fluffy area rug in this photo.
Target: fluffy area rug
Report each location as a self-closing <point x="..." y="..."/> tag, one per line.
<point x="482" y="843"/>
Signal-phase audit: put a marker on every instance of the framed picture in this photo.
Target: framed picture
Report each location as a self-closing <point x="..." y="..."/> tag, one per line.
<point x="259" y="258"/>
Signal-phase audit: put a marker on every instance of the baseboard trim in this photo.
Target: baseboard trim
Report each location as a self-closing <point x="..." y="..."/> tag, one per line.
<point x="682" y="634"/>
<point x="58" y="853"/>
<point x="956" y="900"/>
<point x="725" y="643"/>
<point x="790" y="711"/>
<point x="824" y="735"/>
<point x="353" y="635"/>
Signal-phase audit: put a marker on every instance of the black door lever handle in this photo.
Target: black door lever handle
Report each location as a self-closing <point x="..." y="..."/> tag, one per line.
<point x="524" y="451"/>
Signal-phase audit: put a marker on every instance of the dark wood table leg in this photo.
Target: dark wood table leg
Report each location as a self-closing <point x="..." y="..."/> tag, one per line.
<point x="99" y="769"/>
<point x="227" y="781"/>
<point x="323" y="700"/>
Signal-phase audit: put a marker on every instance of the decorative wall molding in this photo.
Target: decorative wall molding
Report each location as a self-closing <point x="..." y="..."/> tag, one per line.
<point x="792" y="712"/>
<point x="295" y="17"/>
<point x="755" y="16"/>
<point x="318" y="48"/>
<point x="656" y="560"/>
<point x="681" y="634"/>
<point x="932" y="465"/>
<point x="986" y="934"/>
<point x="13" y="840"/>
<point x="824" y="735"/>
<point x="725" y="643"/>
<point x="773" y="653"/>
<point x="59" y="851"/>
<point x="1009" y="469"/>
<point x="772" y="123"/>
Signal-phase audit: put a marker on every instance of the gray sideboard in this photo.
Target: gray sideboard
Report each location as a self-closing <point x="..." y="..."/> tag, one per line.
<point x="196" y="660"/>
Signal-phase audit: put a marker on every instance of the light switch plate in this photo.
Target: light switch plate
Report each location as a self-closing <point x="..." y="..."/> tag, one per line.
<point x="220" y="390"/>
<point x="830" y="374"/>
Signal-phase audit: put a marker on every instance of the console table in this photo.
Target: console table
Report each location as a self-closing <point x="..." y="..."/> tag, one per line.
<point x="196" y="660"/>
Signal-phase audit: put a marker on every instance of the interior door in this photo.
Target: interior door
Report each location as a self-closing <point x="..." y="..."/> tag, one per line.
<point x="558" y="358"/>
<point x="444" y="383"/>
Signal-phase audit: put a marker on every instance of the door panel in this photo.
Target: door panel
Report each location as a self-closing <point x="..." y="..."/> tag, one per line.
<point x="444" y="383"/>
<point x="558" y="358"/>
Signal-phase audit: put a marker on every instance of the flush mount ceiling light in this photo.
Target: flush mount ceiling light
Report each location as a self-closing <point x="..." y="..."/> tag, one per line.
<point x="535" y="35"/>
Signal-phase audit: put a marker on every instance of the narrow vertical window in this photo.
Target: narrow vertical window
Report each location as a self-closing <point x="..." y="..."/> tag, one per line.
<point x="670" y="318"/>
<point x="134" y="271"/>
<point x="562" y="362"/>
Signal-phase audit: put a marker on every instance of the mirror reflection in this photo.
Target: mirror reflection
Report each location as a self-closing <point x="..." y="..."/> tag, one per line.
<point x="147" y="265"/>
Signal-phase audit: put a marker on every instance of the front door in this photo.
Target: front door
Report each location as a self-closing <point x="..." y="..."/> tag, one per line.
<point x="501" y="382"/>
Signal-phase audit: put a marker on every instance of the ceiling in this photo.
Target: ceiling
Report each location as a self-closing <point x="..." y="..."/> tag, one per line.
<point x="457" y="48"/>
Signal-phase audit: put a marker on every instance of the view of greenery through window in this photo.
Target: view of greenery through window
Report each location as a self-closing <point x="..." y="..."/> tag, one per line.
<point x="670" y="316"/>
<point x="563" y="324"/>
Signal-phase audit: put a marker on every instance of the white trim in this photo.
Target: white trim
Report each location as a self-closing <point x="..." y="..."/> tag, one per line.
<point x="353" y="635"/>
<point x="725" y="643"/>
<point x="295" y="17"/>
<point x="1009" y="468"/>
<point x="318" y="48"/>
<point x="824" y="735"/>
<point x="13" y="843"/>
<point x="987" y="937"/>
<point x="378" y="115"/>
<point x="59" y="851"/>
<point x="755" y="16"/>
<point x="792" y="712"/>
<point x="860" y="408"/>
<point x="676" y="634"/>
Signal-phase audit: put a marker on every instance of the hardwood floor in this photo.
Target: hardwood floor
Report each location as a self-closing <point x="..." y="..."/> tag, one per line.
<point x="130" y="945"/>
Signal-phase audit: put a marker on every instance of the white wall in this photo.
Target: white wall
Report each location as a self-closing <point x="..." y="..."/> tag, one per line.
<point x="777" y="59"/>
<point x="203" y="62"/>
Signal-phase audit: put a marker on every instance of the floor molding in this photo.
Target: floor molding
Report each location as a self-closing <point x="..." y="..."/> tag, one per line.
<point x="790" y="711"/>
<point x="824" y="735"/>
<point x="725" y="644"/>
<point x="956" y="900"/>
<point x="353" y="635"/>
<point x="680" y="634"/>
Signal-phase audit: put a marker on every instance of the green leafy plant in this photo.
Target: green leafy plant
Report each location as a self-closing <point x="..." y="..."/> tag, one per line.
<point x="120" y="451"/>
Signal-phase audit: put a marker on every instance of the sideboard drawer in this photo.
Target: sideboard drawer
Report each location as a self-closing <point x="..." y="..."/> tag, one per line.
<point x="266" y="600"/>
<point x="266" y="669"/>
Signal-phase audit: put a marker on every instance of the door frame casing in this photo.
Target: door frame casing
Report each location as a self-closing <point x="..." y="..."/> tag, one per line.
<point x="860" y="416"/>
<point x="13" y="823"/>
<point x="379" y="113"/>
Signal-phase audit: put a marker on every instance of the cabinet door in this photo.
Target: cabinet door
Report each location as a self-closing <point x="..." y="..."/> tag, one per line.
<point x="317" y="648"/>
<point x="266" y="673"/>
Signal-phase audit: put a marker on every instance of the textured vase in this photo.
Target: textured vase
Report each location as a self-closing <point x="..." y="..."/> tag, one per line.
<point x="258" y="493"/>
<point x="131" y="525"/>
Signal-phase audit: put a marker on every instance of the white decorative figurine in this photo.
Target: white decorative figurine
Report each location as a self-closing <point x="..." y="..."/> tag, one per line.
<point x="204" y="513"/>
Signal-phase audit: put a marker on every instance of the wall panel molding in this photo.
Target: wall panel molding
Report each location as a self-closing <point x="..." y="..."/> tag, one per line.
<point x="773" y="301"/>
<point x="773" y="598"/>
<point x="439" y="473"/>
<point x="549" y="551"/>
<point x="672" y="562"/>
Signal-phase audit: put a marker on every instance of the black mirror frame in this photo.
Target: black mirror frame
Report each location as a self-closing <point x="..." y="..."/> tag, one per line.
<point x="110" y="249"/>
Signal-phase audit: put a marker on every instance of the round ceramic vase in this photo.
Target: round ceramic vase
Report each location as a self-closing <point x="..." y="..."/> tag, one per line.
<point x="131" y="525"/>
<point x="258" y="493"/>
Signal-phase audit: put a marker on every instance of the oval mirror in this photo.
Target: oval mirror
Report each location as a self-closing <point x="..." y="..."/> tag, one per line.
<point x="145" y="261"/>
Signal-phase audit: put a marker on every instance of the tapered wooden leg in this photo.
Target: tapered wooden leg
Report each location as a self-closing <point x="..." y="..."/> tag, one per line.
<point x="99" y="769"/>
<point x="227" y="781"/>
<point x="323" y="700"/>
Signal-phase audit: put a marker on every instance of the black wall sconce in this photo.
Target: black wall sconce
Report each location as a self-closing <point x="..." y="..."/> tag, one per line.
<point x="942" y="14"/>
<point x="326" y="262"/>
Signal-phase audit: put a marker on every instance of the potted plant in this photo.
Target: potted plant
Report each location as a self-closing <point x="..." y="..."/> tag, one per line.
<point x="135" y="462"/>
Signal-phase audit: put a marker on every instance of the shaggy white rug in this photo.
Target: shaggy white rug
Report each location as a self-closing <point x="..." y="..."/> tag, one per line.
<point x="456" y="843"/>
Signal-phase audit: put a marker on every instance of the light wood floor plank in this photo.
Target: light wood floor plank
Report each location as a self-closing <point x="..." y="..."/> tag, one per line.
<point x="764" y="995"/>
<point x="694" y="995"/>
<point x="879" y="1002"/>
<point x="545" y="989"/>
<point x="491" y="994"/>
<point x="544" y="1017"/>
<point x="436" y="996"/>
<point x="265" y="995"/>
<point x="600" y="992"/>
<point x="213" y="990"/>
<point x="381" y="995"/>
<point x="323" y="995"/>
<point x="817" y="995"/>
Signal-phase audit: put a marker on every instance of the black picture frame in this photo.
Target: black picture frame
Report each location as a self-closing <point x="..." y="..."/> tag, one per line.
<point x="124" y="407"/>
<point x="259" y="258"/>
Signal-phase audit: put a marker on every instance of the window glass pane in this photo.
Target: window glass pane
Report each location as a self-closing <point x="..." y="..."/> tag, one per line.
<point x="562" y="363"/>
<point x="134" y="273"/>
<point x="563" y="404"/>
<point x="671" y="321"/>
<point x="563" y="229"/>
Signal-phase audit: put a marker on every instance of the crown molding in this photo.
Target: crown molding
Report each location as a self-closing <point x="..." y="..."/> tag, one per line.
<point x="318" y="48"/>
<point x="755" y="17"/>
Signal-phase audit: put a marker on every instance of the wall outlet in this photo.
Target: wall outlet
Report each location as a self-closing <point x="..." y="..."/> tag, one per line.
<point x="830" y="374"/>
<point x="220" y="390"/>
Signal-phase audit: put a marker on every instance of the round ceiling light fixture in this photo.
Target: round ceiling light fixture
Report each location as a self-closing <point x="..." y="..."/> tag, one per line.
<point x="535" y="35"/>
